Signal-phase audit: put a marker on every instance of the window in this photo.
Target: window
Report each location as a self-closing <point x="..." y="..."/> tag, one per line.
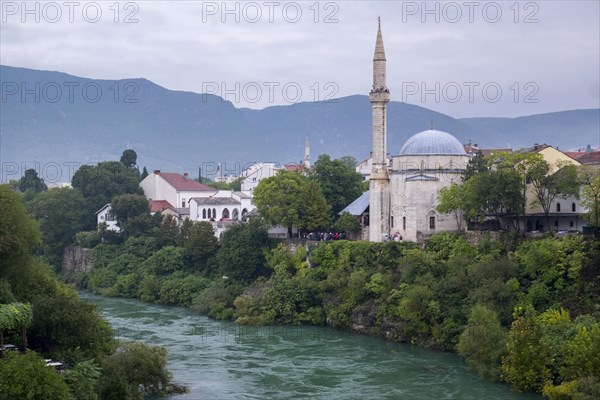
<point x="557" y="207"/>
<point x="404" y="223"/>
<point x="573" y="207"/>
<point x="571" y="224"/>
<point x="183" y="203"/>
<point x="204" y="213"/>
<point x="556" y="224"/>
<point x="392" y="221"/>
<point x="225" y="213"/>
<point x="431" y="222"/>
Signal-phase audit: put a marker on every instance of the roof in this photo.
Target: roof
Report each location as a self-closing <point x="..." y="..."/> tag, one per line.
<point x="103" y="207"/>
<point x="182" y="211"/>
<point x="158" y="205"/>
<point x="432" y="142"/>
<point x="294" y="167"/>
<point x="358" y="206"/>
<point x="183" y="183"/>
<point x="589" y="157"/>
<point x="242" y="195"/>
<point x="215" y="201"/>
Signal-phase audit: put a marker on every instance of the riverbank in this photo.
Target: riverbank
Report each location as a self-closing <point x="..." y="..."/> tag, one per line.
<point x="481" y="301"/>
<point x="220" y="360"/>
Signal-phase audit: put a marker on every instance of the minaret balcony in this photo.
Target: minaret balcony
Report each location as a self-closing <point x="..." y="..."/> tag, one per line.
<point x="379" y="95"/>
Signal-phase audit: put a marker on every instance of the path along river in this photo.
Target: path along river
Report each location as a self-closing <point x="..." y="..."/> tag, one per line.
<point x="220" y="360"/>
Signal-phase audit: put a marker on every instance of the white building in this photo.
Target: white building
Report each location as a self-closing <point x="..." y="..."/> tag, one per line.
<point x="106" y="215"/>
<point x="255" y="173"/>
<point x="175" y="188"/>
<point x="223" y="206"/>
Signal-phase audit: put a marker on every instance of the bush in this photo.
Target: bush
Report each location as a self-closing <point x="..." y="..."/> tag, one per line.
<point x="26" y="376"/>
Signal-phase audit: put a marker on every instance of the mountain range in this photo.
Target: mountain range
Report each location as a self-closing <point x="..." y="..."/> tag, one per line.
<point x="54" y="121"/>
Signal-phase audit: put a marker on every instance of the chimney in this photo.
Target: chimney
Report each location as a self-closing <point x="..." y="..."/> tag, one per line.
<point x="185" y="175"/>
<point x="157" y="171"/>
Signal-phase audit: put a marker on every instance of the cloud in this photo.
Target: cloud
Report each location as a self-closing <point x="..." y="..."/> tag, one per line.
<point x="184" y="45"/>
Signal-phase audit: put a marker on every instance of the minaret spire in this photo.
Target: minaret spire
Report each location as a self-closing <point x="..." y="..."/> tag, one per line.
<point x="306" y="154"/>
<point x="379" y="207"/>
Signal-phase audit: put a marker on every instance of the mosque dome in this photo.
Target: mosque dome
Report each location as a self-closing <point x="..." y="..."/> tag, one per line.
<point x="432" y="142"/>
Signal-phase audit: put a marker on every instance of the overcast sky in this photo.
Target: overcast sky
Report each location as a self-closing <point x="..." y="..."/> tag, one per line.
<point x="464" y="59"/>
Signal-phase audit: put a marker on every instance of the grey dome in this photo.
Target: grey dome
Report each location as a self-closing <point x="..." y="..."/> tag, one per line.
<point x="432" y="142"/>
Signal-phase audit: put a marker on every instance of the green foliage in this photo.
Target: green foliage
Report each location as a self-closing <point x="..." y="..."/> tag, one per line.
<point x="200" y="244"/>
<point x="476" y="165"/>
<point x="100" y="183"/>
<point x="313" y="212"/>
<point x="340" y="183"/>
<point x="61" y="214"/>
<point x="165" y="261"/>
<point x="129" y="158"/>
<point x="19" y="234"/>
<point x="144" y="174"/>
<point x="134" y="371"/>
<point x="181" y="289"/>
<point x="82" y="380"/>
<point x="347" y="223"/>
<point x="15" y="316"/>
<point x="483" y="342"/>
<point x="69" y="329"/>
<point x="526" y="365"/>
<point x="26" y="376"/>
<point x="241" y="254"/>
<point x="456" y="199"/>
<point x="277" y="198"/>
<point x="216" y="300"/>
<point x="129" y="206"/>
<point x="31" y="181"/>
<point x="589" y="179"/>
<point x="87" y="239"/>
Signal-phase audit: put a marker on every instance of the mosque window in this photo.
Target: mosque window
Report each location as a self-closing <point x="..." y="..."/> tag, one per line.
<point x="392" y="221"/>
<point x="573" y="207"/>
<point x="404" y="223"/>
<point x="431" y="222"/>
<point x="557" y="207"/>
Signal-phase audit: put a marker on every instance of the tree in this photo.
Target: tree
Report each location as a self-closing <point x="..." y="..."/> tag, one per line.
<point x="340" y="183"/>
<point x="456" y="199"/>
<point x="496" y="193"/>
<point x="136" y="370"/>
<point x="19" y="234"/>
<point x="100" y="183"/>
<point x="26" y="376"/>
<point x="15" y="317"/>
<point x="241" y="254"/>
<point x="144" y="174"/>
<point x="129" y="158"/>
<point x="31" y="181"/>
<point x="483" y="342"/>
<point x="277" y="198"/>
<point x="348" y="161"/>
<point x="200" y="244"/>
<point x="61" y="213"/>
<point x="589" y="179"/>
<point x="548" y="185"/>
<point x="347" y="223"/>
<point x="476" y="165"/>
<point x="313" y="208"/>
<point x="129" y="206"/>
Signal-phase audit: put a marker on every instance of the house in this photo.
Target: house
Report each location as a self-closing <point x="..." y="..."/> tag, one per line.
<point x="255" y="173"/>
<point x="174" y="188"/>
<point x="565" y="212"/>
<point x="473" y="149"/>
<point x="223" y="206"/>
<point x="106" y="215"/>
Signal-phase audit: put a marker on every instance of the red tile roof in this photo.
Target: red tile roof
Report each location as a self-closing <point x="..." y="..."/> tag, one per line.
<point x="158" y="205"/>
<point x="183" y="183"/>
<point x="294" y="167"/>
<point x="589" y="157"/>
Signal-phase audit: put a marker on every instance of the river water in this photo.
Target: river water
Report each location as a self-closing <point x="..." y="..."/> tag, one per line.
<point x="220" y="360"/>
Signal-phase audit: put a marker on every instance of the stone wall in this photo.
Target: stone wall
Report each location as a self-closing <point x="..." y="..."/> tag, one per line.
<point x="77" y="259"/>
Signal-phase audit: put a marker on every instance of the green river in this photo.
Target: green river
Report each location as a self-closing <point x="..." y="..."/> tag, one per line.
<point x="220" y="360"/>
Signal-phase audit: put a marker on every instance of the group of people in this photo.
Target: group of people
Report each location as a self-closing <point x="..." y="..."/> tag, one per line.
<point x="395" y="237"/>
<point x="324" y="236"/>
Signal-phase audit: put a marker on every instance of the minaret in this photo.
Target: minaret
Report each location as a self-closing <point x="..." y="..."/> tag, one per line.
<point x="379" y="200"/>
<point x="306" y="154"/>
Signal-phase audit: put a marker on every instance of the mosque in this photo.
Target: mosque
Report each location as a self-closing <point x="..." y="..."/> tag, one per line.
<point x="403" y="191"/>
